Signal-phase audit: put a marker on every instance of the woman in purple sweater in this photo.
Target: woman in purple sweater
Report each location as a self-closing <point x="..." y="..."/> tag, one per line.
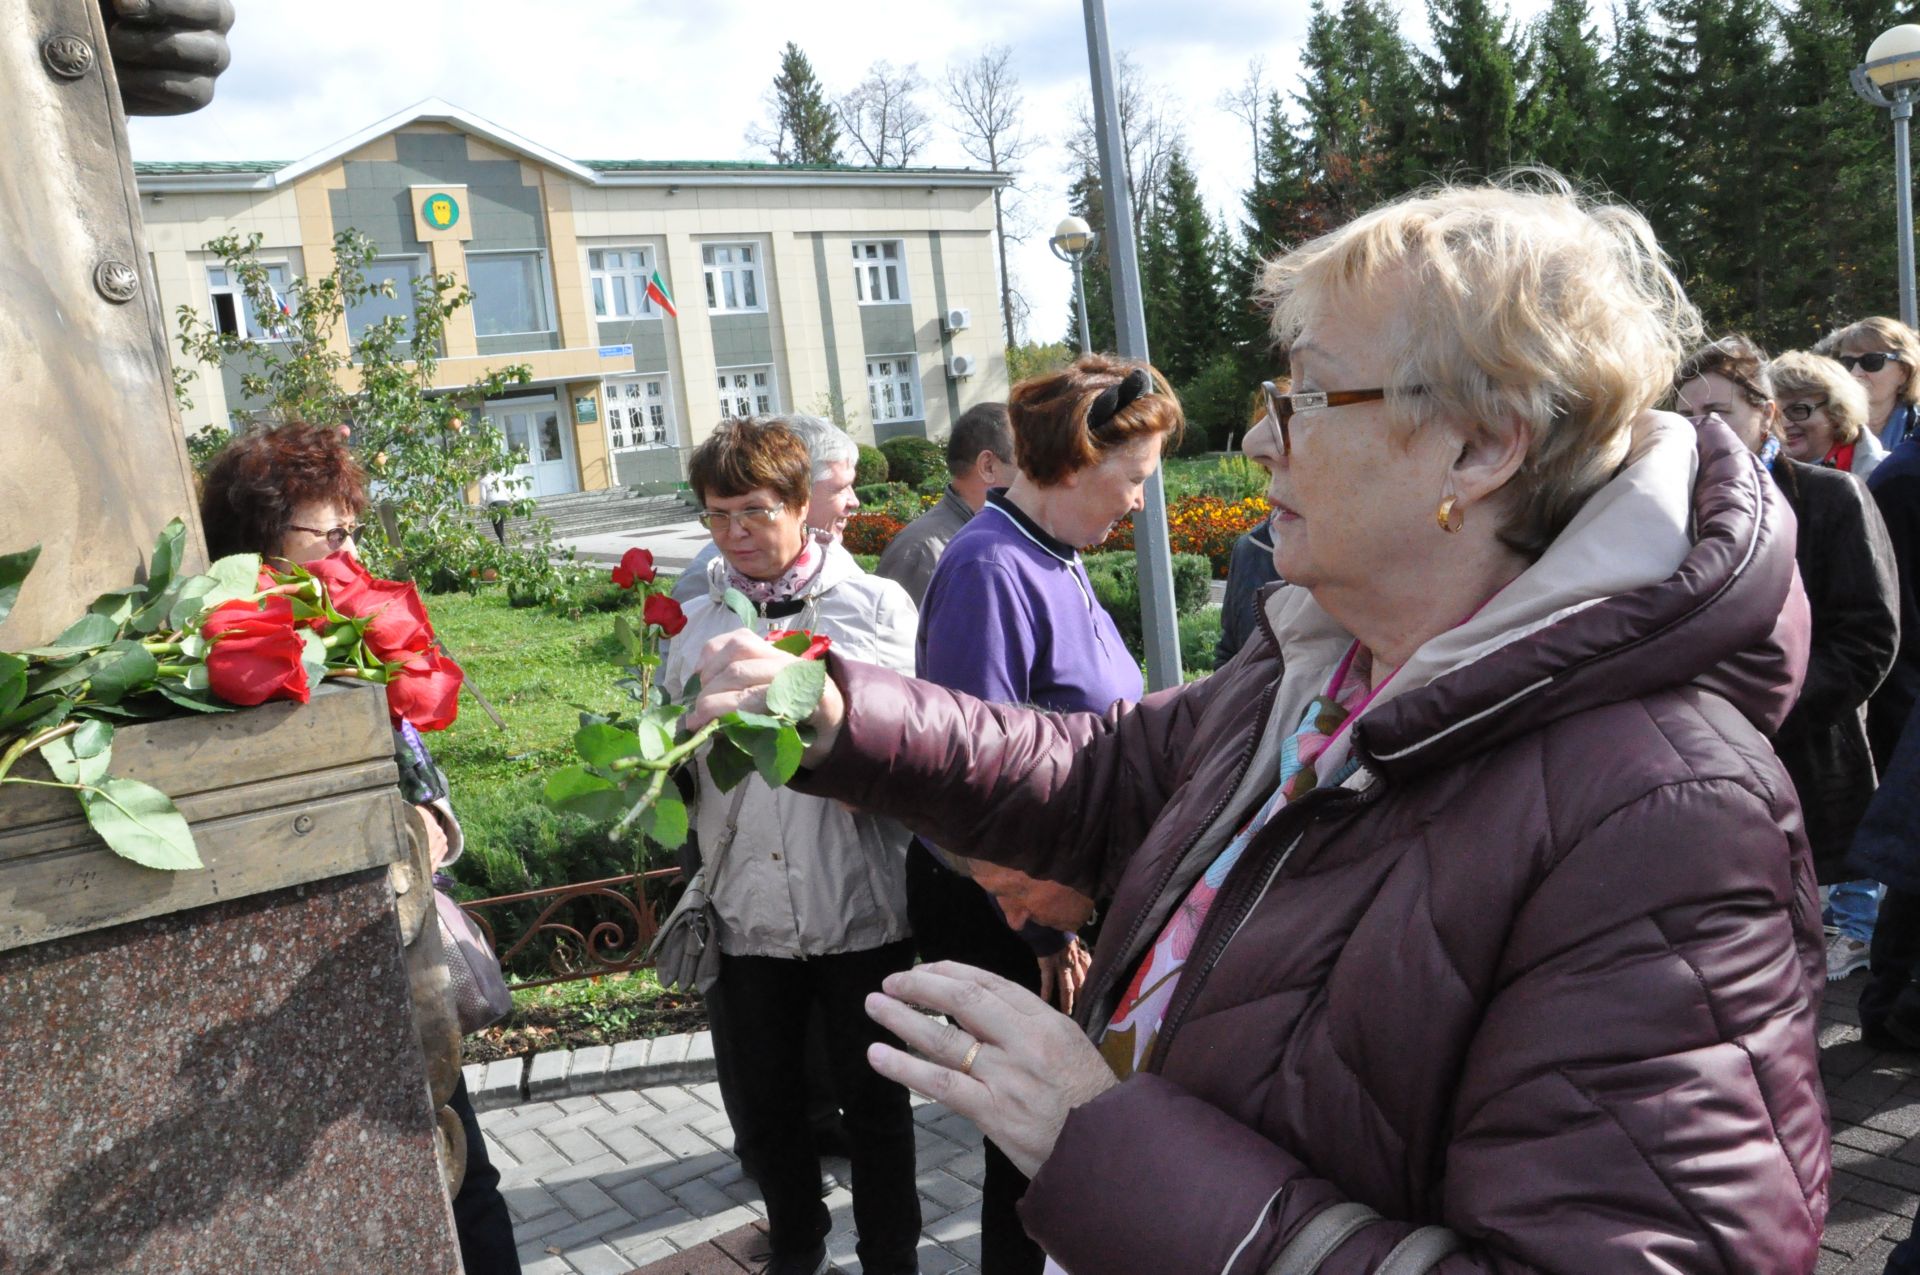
<point x="1009" y="616"/>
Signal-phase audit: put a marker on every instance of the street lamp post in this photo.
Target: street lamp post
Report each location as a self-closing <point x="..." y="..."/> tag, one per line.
<point x="1072" y="240"/>
<point x="1889" y="79"/>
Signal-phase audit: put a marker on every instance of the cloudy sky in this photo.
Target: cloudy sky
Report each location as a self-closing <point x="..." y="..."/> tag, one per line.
<point x="676" y="79"/>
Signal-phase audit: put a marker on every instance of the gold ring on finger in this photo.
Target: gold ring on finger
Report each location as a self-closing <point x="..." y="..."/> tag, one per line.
<point x="966" y="1064"/>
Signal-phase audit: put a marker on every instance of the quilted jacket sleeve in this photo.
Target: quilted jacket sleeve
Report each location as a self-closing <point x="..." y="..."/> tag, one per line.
<point x="1641" y="1094"/>
<point x="1856" y="626"/>
<point x="1064" y="796"/>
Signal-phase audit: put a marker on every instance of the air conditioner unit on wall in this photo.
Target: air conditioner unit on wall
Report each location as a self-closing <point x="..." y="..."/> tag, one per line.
<point x="960" y="365"/>
<point x="959" y="319"/>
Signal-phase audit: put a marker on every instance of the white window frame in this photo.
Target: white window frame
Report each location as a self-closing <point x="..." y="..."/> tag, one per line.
<point x="762" y="398"/>
<point x="659" y="407"/>
<point x="403" y="296"/>
<point x="874" y="269"/>
<point x="546" y="291"/>
<point x="718" y="274"/>
<point x="242" y="309"/>
<point x="885" y="389"/>
<point x="601" y="282"/>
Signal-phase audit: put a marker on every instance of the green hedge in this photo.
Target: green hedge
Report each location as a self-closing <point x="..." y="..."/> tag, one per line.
<point x="1116" y="586"/>
<point x="871" y="468"/>
<point x="914" y="461"/>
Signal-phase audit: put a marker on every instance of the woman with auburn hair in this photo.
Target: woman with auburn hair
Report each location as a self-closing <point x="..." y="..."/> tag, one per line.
<point x="1846" y="566"/>
<point x="810" y="895"/>
<point x="1823" y="414"/>
<point x="1882" y="354"/>
<point x="1464" y="921"/>
<point x="1010" y="617"/>
<point x="294" y="493"/>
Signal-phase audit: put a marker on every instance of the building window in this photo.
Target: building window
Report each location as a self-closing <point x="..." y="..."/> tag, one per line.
<point x="748" y="391"/>
<point x="733" y="277"/>
<point x="620" y="282"/>
<point x="893" y="384"/>
<point x="370" y="309"/>
<point x="879" y="272"/>
<point x="639" y="411"/>
<point x="509" y="292"/>
<point x="231" y="313"/>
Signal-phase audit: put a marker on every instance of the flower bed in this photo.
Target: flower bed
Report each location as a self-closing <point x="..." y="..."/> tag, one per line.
<point x="1206" y="525"/>
<point x="871" y="533"/>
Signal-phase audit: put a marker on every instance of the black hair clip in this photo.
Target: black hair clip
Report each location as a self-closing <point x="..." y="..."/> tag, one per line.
<point x="1110" y="400"/>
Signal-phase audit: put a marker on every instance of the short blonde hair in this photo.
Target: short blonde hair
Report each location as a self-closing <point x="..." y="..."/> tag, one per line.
<point x="1879" y="333"/>
<point x="1801" y="374"/>
<point x="1526" y="301"/>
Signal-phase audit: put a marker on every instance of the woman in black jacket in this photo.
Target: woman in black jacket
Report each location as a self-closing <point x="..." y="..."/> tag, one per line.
<point x="1846" y="566"/>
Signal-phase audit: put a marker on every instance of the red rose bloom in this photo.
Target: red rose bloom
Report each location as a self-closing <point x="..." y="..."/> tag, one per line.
<point x="254" y="653"/>
<point x="817" y="643"/>
<point x="426" y="691"/>
<point x="398" y="626"/>
<point x="636" y="566"/>
<point x="663" y="611"/>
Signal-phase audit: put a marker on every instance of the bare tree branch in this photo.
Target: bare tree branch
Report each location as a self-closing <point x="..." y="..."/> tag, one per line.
<point x="1149" y="135"/>
<point x="985" y="95"/>
<point x="881" y="115"/>
<point x="1248" y="102"/>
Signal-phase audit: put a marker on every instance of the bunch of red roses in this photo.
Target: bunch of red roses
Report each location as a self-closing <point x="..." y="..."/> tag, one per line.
<point x="236" y="635"/>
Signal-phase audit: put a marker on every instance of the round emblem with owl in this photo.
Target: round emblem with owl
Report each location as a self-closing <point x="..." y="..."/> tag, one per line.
<point x="441" y="211"/>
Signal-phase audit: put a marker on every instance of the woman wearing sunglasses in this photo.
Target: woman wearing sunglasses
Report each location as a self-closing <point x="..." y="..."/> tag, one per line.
<point x="1823" y="414"/>
<point x="1465" y="920"/>
<point x="1881" y="354"/>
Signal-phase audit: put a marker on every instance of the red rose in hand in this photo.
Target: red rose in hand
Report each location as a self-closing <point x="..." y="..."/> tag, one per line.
<point x="664" y="611"/>
<point x="636" y="566"/>
<point x="398" y="626"/>
<point x="817" y="643"/>
<point x="254" y="653"/>
<point x="426" y="691"/>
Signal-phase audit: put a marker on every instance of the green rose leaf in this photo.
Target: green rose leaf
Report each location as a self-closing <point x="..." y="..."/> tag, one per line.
<point x="39" y="713"/>
<point x="794" y="643"/>
<point x="13" y="573"/>
<point x="796" y="690"/>
<point x="742" y="609"/>
<point x="603" y="744"/>
<point x="313" y="658"/>
<point x="578" y="790"/>
<point x="655" y="737"/>
<point x="190" y="600"/>
<point x="69" y="767"/>
<point x="140" y="823"/>
<point x="118" y="605"/>
<point x="776" y="755"/>
<point x="235" y="576"/>
<point x="92" y="739"/>
<point x="196" y="679"/>
<point x="13" y="682"/>
<point x="668" y="823"/>
<point x="165" y="563"/>
<point x="193" y="647"/>
<point x="109" y="675"/>
<point x="629" y="640"/>
<point x="199" y="703"/>
<point x="727" y="764"/>
<point x="88" y="633"/>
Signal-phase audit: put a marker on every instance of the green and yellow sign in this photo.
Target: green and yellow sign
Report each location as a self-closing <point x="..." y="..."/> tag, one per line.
<point x="440" y="210"/>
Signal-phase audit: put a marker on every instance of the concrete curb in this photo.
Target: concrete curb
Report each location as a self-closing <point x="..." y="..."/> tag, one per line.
<point x="684" y="1059"/>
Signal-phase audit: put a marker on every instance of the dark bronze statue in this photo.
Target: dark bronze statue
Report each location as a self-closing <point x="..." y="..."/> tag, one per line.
<point x="167" y="53"/>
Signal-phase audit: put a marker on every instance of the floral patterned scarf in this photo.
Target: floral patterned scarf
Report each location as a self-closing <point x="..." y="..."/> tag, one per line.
<point x="791" y="583"/>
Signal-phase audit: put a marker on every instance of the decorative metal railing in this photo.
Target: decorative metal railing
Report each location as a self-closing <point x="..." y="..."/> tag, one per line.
<point x="590" y="928"/>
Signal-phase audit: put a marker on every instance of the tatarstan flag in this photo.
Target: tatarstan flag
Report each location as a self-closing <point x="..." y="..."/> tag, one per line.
<point x="657" y="292"/>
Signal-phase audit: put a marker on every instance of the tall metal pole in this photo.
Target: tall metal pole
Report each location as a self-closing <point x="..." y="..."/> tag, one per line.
<point x="1080" y="293"/>
<point x="1903" y="183"/>
<point x="1151" y="547"/>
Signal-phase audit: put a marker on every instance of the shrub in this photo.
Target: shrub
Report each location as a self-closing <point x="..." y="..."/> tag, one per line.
<point x="1199" y="637"/>
<point x="1217" y="402"/>
<point x="914" y="461"/>
<point x="1116" y="586"/>
<point x="871" y="532"/>
<point x="880" y="493"/>
<point x="871" y="468"/>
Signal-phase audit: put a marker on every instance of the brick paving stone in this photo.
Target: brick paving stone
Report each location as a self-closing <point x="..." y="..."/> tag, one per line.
<point x="1852" y="1226"/>
<point x="597" y="1259"/>
<point x="1865" y="1138"/>
<point x="636" y="1195"/>
<point x="645" y="1252"/>
<point x="686" y="1170"/>
<point x="588" y="1075"/>
<point x="538" y="1261"/>
<point x="529" y="1201"/>
<point x="1872" y="1260"/>
<point x="702" y="1198"/>
<point x="547" y="1074"/>
<point x="1901" y="1117"/>
<point x="701" y="1229"/>
<point x="576" y="1144"/>
<point x="951" y="1192"/>
<point x="584" y="1198"/>
<point x="622" y="1101"/>
<point x="1885" y="1198"/>
<point x="635" y="1147"/>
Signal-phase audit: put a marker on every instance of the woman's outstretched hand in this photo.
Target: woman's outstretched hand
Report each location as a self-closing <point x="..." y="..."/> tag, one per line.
<point x="1033" y="1065"/>
<point x="735" y="670"/>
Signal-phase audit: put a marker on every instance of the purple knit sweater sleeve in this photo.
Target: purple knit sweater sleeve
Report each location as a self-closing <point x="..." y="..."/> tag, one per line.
<point x="978" y="631"/>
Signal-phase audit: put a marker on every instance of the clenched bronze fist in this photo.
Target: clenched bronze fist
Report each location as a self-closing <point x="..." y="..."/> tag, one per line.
<point x="167" y="53"/>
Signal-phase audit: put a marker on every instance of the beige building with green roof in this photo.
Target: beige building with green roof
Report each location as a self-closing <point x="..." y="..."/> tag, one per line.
<point x="795" y="288"/>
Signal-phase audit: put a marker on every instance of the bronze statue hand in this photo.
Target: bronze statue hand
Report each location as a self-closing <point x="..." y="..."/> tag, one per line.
<point x="167" y="53"/>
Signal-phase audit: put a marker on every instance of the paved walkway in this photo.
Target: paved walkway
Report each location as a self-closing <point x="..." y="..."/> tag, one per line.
<point x="605" y="1183"/>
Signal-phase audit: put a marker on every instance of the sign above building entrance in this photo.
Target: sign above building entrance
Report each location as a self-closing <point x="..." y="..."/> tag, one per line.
<point x="439" y="213"/>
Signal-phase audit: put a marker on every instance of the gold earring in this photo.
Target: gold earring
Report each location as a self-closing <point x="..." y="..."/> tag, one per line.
<point x="1450" y="519"/>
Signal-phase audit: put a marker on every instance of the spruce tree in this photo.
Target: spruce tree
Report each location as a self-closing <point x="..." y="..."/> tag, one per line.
<point x="1083" y="196"/>
<point x="1470" y="82"/>
<point x="1564" y="93"/>
<point x="1185" y="317"/>
<point x="803" y="118"/>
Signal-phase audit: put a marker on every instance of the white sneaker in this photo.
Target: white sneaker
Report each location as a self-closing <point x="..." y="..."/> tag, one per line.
<point x="1844" y="956"/>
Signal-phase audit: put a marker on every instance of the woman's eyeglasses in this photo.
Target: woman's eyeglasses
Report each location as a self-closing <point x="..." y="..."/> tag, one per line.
<point x="336" y="537"/>
<point x="748" y="518"/>
<point x="1803" y="411"/>
<point x="1283" y="405"/>
<point x="1872" y="361"/>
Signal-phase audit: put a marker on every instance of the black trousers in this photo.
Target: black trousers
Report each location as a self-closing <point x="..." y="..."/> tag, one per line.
<point x="480" y="1215"/>
<point x="1892" y="993"/>
<point x="954" y="920"/>
<point x="768" y="1001"/>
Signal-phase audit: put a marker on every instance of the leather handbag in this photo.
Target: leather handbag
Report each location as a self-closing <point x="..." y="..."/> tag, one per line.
<point x="1423" y="1248"/>
<point x="686" y="952"/>
<point x="481" y="997"/>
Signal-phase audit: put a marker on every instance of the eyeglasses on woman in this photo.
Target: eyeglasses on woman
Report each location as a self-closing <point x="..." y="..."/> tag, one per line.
<point x="752" y="519"/>
<point x="1283" y="406"/>
<point x="336" y="537"/>
<point x="1872" y="361"/>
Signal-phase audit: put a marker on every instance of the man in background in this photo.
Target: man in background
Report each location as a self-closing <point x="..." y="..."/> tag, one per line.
<point x="979" y="458"/>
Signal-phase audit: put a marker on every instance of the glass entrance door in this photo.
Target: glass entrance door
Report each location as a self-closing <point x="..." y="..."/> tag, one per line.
<point x="537" y="431"/>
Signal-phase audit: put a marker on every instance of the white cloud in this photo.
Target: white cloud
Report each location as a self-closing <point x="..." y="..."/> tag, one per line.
<point x="651" y="79"/>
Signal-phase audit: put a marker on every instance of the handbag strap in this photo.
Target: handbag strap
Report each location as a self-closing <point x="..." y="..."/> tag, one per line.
<point x="1326" y="1231"/>
<point x="1421" y="1251"/>
<point x="725" y="842"/>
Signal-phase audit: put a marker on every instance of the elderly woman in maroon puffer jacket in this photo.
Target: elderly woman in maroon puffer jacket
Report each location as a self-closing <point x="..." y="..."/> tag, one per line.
<point x="1463" y="921"/>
